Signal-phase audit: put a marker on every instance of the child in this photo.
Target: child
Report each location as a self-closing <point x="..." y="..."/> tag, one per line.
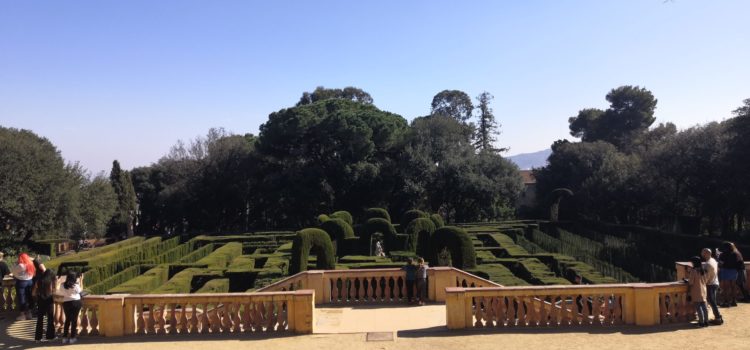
<point x="411" y="276"/>
<point x="697" y="289"/>
<point x="421" y="281"/>
<point x="71" y="293"/>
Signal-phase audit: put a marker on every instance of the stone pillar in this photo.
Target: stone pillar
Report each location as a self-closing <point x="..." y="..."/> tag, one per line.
<point x="304" y="311"/>
<point x="315" y="281"/>
<point x="455" y="308"/>
<point x="112" y="316"/>
<point x="440" y="278"/>
<point x="646" y="305"/>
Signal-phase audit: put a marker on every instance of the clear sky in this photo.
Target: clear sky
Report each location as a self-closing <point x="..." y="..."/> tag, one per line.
<point x="125" y="80"/>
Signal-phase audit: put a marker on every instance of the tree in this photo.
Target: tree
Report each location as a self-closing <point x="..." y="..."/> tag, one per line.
<point x="630" y="114"/>
<point x="452" y="103"/>
<point x="98" y="204"/>
<point x="34" y="186"/>
<point x="348" y="93"/>
<point x="487" y="125"/>
<point x="123" y="220"/>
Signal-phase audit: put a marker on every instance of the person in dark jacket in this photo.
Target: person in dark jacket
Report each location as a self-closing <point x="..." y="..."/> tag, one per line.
<point x="728" y="266"/>
<point x="411" y="278"/>
<point x="44" y="290"/>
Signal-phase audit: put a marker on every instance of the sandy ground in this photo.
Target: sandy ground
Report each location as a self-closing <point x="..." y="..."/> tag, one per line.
<point x="734" y="334"/>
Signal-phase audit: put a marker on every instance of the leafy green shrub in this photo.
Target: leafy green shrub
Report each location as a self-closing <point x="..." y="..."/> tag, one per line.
<point x="222" y="256"/>
<point x="372" y="213"/>
<point x="411" y="215"/>
<point x="55" y="263"/>
<point x="437" y="220"/>
<point x="343" y="215"/>
<point x="382" y="226"/>
<point x="402" y="256"/>
<point x="498" y="273"/>
<point x="323" y="218"/>
<point x="312" y="240"/>
<point x="101" y="266"/>
<point x="457" y="241"/>
<point x="115" y="280"/>
<point x="144" y="283"/>
<point x="179" y="283"/>
<point x="535" y="272"/>
<point x="219" y="285"/>
<point x="241" y="263"/>
<point x="338" y="230"/>
<point x="198" y="254"/>
<point x="357" y="259"/>
<point x="419" y="231"/>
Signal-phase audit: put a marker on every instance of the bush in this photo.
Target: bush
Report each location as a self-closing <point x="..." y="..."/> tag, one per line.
<point x="411" y="215"/>
<point x="219" y="285"/>
<point x="382" y="226"/>
<point x="499" y="274"/>
<point x="419" y="231"/>
<point x="55" y="263"/>
<point x="198" y="254"/>
<point x="179" y="283"/>
<point x="323" y="218"/>
<point x="535" y="272"/>
<point x="312" y="240"/>
<point x="343" y="215"/>
<point x="457" y="241"/>
<point x="222" y="256"/>
<point x="144" y="283"/>
<point x="115" y="280"/>
<point x="338" y="230"/>
<point x="377" y="213"/>
<point x="437" y="220"/>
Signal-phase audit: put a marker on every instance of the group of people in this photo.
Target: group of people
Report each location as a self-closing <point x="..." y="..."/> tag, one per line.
<point x="416" y="276"/>
<point x="36" y="290"/>
<point x="721" y="270"/>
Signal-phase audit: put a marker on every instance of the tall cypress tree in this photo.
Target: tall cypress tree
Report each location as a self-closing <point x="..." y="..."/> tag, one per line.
<point x="487" y="125"/>
<point x="124" y="217"/>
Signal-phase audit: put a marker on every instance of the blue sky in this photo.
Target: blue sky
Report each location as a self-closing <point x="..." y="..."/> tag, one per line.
<point x="125" y="80"/>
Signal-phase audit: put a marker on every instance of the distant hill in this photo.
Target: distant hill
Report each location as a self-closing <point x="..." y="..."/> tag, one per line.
<point x="526" y="161"/>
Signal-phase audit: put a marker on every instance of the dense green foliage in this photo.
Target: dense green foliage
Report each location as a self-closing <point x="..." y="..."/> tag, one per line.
<point x="383" y="227"/>
<point x="343" y="215"/>
<point x="124" y="217"/>
<point x="691" y="181"/>
<point x="437" y="220"/>
<point x="338" y="230"/>
<point x="457" y="242"/>
<point x="311" y="240"/>
<point x="409" y="216"/>
<point x="420" y="231"/>
<point x="377" y="213"/>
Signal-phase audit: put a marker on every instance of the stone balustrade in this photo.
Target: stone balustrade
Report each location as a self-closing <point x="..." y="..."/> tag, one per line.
<point x="554" y="306"/>
<point x="374" y="285"/>
<point x="8" y="294"/>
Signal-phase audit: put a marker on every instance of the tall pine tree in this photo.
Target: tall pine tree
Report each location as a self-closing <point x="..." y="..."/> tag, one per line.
<point x="124" y="217"/>
<point x="487" y="126"/>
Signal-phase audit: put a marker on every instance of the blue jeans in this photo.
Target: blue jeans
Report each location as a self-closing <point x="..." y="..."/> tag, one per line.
<point x="712" y="290"/>
<point x="702" y="312"/>
<point x="23" y="293"/>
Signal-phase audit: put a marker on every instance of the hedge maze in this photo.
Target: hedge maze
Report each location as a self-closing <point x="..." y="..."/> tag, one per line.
<point x="510" y="253"/>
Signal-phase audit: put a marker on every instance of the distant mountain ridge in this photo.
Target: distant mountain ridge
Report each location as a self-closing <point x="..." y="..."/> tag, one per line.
<point x="526" y="161"/>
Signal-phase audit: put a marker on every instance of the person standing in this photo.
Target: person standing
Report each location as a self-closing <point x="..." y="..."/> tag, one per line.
<point x="71" y="293"/>
<point x="411" y="277"/>
<point x="44" y="289"/>
<point x="728" y="267"/>
<point x="4" y="269"/>
<point x="697" y="290"/>
<point x="421" y="281"/>
<point x="711" y="267"/>
<point x="23" y="272"/>
<point x="741" y="275"/>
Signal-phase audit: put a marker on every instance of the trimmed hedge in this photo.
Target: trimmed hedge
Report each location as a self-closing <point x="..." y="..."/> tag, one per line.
<point x="338" y="230"/>
<point x="437" y="220"/>
<point x="458" y="243"/>
<point x="222" y="256"/>
<point x="535" y="272"/>
<point x="179" y="283"/>
<point x="198" y="254"/>
<point x="498" y="273"/>
<point x="410" y="215"/>
<point x="381" y="225"/>
<point x="55" y="263"/>
<point x="115" y="280"/>
<point x="312" y="240"/>
<point x="219" y="285"/>
<point x="343" y="215"/>
<point x="372" y="213"/>
<point x="144" y="283"/>
<point x="419" y="231"/>
<point x="323" y="218"/>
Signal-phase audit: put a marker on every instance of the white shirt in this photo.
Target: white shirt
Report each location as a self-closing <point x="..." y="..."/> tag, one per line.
<point x="20" y="273"/>
<point x="70" y="294"/>
<point x="712" y="268"/>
